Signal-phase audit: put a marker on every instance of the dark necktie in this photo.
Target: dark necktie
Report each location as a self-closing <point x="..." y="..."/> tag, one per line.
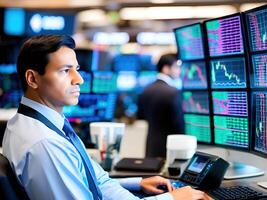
<point x="91" y="177"/>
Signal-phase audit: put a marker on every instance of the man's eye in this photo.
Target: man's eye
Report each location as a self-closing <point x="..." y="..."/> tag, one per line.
<point x="66" y="70"/>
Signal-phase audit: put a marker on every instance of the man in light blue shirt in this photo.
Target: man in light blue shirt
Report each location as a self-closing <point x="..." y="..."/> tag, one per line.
<point x="49" y="162"/>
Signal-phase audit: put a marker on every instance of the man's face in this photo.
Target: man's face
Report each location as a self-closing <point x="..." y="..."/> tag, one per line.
<point x="59" y="86"/>
<point x="175" y="71"/>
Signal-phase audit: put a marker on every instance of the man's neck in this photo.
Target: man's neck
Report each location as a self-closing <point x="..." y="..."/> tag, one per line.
<point x="36" y="97"/>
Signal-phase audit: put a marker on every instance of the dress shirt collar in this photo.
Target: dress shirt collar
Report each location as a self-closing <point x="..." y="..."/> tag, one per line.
<point x="166" y="79"/>
<point x="56" y="118"/>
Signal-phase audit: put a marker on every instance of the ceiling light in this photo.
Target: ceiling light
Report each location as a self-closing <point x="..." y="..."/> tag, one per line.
<point x="248" y="6"/>
<point x="176" y="12"/>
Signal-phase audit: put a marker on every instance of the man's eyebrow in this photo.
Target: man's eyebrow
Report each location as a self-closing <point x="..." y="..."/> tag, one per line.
<point x="70" y="66"/>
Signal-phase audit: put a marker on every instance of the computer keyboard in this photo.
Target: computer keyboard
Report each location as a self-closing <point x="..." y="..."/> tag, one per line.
<point x="237" y="193"/>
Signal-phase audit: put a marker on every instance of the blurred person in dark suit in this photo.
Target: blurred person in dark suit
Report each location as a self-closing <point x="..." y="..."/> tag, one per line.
<point x="160" y="105"/>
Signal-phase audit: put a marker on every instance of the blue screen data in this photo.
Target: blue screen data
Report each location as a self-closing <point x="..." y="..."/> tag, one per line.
<point x="257" y="29"/>
<point x="92" y="107"/>
<point x="259" y="75"/>
<point x="189" y="42"/>
<point x="225" y="36"/>
<point x="231" y="131"/>
<point x="104" y="82"/>
<point x="260" y="131"/>
<point x="230" y="103"/>
<point x="194" y="75"/>
<point x="228" y="73"/>
<point x="199" y="126"/>
<point x="86" y="86"/>
<point x="196" y="102"/>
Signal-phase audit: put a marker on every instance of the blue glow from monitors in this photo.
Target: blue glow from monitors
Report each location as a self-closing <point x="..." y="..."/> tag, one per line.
<point x="92" y="107"/>
<point x="146" y="77"/>
<point x="259" y="102"/>
<point x="14" y="21"/>
<point x="225" y="36"/>
<point x="10" y="99"/>
<point x="86" y="86"/>
<point x="230" y="103"/>
<point x="49" y="23"/>
<point x="259" y="75"/>
<point x="194" y="75"/>
<point x="8" y="68"/>
<point x="199" y="126"/>
<point x="196" y="102"/>
<point x="126" y="80"/>
<point x="104" y="82"/>
<point x="257" y="29"/>
<point x="228" y="73"/>
<point x="189" y="42"/>
<point x="127" y="62"/>
<point x="231" y="131"/>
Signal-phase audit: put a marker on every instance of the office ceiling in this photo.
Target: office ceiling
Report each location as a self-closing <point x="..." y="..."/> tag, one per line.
<point x="114" y="4"/>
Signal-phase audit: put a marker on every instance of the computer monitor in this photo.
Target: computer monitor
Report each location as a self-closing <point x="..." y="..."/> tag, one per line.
<point x="10" y="90"/>
<point x="87" y="79"/>
<point x="126" y="62"/>
<point x="196" y="102"/>
<point x="84" y="58"/>
<point x="256" y="20"/>
<point x="14" y="21"/>
<point x="126" y="81"/>
<point x="189" y="41"/>
<point x="147" y="63"/>
<point x="227" y="73"/>
<point x="104" y="82"/>
<point x="230" y="115"/>
<point x="194" y="75"/>
<point x="101" y="61"/>
<point x="49" y="22"/>
<point x="225" y="36"/>
<point x="191" y="51"/>
<point x="92" y="108"/>
<point x="228" y="67"/>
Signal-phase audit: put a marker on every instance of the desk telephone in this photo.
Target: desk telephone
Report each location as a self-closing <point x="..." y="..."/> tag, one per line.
<point x="204" y="171"/>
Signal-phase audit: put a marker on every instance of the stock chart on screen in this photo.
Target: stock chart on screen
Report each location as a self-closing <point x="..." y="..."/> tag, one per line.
<point x="199" y="126"/>
<point x="228" y="73"/>
<point x="194" y="75"/>
<point x="230" y="103"/>
<point x="92" y="107"/>
<point x="231" y="131"/>
<point x="257" y="29"/>
<point x="189" y="42"/>
<point x="225" y="36"/>
<point x="104" y="82"/>
<point x="259" y="75"/>
<point x="196" y="102"/>
<point x="260" y="117"/>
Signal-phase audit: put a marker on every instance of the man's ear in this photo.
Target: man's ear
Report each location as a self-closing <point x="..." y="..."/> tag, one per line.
<point x="166" y="69"/>
<point x="31" y="78"/>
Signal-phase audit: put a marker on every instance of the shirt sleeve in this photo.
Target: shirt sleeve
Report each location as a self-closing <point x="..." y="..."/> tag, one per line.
<point x="132" y="184"/>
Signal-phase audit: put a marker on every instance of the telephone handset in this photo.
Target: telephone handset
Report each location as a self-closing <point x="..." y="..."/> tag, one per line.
<point x="204" y="171"/>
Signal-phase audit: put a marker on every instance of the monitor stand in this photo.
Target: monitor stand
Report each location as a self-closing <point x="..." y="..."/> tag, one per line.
<point x="241" y="170"/>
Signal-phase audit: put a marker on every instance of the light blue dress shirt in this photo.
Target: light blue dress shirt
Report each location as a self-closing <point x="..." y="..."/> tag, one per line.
<point x="49" y="167"/>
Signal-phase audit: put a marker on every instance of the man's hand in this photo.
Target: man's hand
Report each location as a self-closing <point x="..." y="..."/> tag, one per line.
<point x="150" y="185"/>
<point x="188" y="193"/>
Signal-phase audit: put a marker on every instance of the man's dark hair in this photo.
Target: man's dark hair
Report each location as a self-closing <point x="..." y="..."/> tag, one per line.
<point x="34" y="53"/>
<point x="167" y="59"/>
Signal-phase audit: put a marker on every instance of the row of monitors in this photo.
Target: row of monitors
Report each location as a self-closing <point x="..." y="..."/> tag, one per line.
<point x="224" y="77"/>
<point x="230" y="118"/>
<point x="96" y="82"/>
<point x="229" y="47"/>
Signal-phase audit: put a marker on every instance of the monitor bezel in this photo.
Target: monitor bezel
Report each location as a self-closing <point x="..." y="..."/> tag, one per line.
<point x="202" y="41"/>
